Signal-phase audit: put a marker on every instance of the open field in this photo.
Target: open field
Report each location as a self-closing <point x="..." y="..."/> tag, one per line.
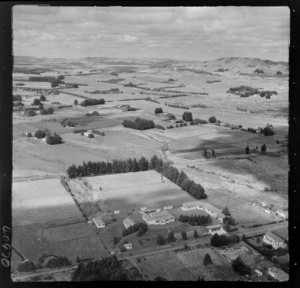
<point x="41" y="201"/>
<point x="145" y="189"/>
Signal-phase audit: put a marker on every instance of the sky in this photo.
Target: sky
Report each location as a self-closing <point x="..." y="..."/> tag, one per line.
<point x="184" y="33"/>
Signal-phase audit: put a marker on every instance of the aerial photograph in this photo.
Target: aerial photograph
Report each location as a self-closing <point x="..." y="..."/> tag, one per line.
<point x="150" y="144"/>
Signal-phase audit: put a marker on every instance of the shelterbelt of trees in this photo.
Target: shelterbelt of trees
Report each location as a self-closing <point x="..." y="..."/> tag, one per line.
<point x="133" y="165"/>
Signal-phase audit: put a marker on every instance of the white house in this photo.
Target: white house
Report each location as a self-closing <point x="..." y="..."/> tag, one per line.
<point x="99" y="222"/>
<point x="281" y="213"/>
<point x="168" y="207"/>
<point x="210" y="209"/>
<point x="278" y="274"/>
<point x="158" y="218"/>
<point x="128" y="222"/>
<point x="215" y="229"/>
<point x="116" y="212"/>
<point x="128" y="246"/>
<point x="274" y="240"/>
<point x="258" y="272"/>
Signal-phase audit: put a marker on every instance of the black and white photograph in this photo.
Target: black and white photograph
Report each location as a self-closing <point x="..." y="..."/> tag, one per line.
<point x="150" y="143"/>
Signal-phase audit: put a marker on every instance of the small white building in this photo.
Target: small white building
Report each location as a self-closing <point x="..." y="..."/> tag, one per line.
<point x="281" y="213"/>
<point x="278" y="274"/>
<point x="98" y="222"/>
<point x="168" y="207"/>
<point x="128" y="246"/>
<point x="116" y="212"/>
<point x="258" y="272"/>
<point x="128" y="222"/>
<point x="215" y="229"/>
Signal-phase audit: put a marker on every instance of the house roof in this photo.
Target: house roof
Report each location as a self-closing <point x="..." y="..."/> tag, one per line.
<point x="157" y="216"/>
<point x="128" y="221"/>
<point x="98" y="221"/>
<point x="279" y="274"/>
<point x="206" y="205"/>
<point x="274" y="237"/>
<point x="282" y="233"/>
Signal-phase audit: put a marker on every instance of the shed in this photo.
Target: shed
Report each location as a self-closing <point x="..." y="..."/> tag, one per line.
<point x="99" y="222"/>
<point x="128" y="222"/>
<point x="128" y="246"/>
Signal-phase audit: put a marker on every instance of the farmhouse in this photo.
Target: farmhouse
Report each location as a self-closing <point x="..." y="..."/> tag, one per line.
<point x="258" y="272"/>
<point x="274" y="240"/>
<point x="158" y="218"/>
<point x="281" y="213"/>
<point x="128" y="222"/>
<point x="99" y="222"/>
<point x="168" y="207"/>
<point x="128" y="246"/>
<point x="278" y="274"/>
<point x="213" y="211"/>
<point x="213" y="229"/>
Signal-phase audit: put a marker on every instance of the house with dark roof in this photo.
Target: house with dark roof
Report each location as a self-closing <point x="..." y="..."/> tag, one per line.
<point x="274" y="240"/>
<point x="158" y="218"/>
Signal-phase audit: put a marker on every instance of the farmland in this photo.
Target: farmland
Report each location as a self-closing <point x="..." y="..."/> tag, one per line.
<point x="49" y="220"/>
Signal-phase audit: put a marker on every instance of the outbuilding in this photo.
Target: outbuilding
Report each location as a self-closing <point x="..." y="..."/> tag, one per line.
<point x="98" y="222"/>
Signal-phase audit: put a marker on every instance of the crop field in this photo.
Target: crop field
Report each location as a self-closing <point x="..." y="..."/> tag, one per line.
<point x="145" y="189"/>
<point x="41" y="201"/>
<point x="164" y="265"/>
<point x="218" y="271"/>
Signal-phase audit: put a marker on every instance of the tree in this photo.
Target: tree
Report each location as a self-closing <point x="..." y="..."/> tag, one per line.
<point x="158" y="110"/>
<point x="76" y="102"/>
<point x="239" y="266"/>
<point x="212" y="119"/>
<point x="116" y="240"/>
<point x="36" y="102"/>
<point x="91" y="135"/>
<point x="40" y="134"/>
<point x="158" y="278"/>
<point x="227" y="227"/>
<point x="171" y="237"/>
<point x="226" y="211"/>
<point x="160" y="240"/>
<point x="268" y="130"/>
<point x="207" y="259"/>
<point x="200" y="278"/>
<point x="278" y="73"/>
<point x="263" y="148"/>
<point x="196" y="234"/>
<point x="187" y="116"/>
<point x="184" y="235"/>
<point x="205" y="153"/>
<point x="247" y="150"/>
<point x="43" y="98"/>
<point x="54" y="139"/>
<point x="215" y="240"/>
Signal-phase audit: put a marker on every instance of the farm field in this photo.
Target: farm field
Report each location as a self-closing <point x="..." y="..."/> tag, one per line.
<point x="41" y="201"/>
<point x="145" y="190"/>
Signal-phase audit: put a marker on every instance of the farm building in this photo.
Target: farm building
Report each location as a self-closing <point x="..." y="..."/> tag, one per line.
<point x="213" y="211"/>
<point x="116" y="212"/>
<point x="281" y="213"/>
<point x="168" y="207"/>
<point x="158" y="218"/>
<point x="213" y="229"/>
<point x="274" y="240"/>
<point x="258" y="272"/>
<point x="99" y="222"/>
<point x="128" y="222"/>
<point x="128" y="246"/>
<point x="278" y="274"/>
<point x="283" y="233"/>
<point x="152" y="210"/>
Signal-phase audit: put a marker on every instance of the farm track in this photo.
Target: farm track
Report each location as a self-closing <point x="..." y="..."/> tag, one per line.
<point x="42" y="177"/>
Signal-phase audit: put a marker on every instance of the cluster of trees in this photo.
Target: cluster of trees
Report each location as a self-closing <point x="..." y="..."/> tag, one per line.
<point x="267" y="93"/>
<point x="243" y="91"/>
<point x="59" y="80"/>
<point x="259" y="71"/>
<point x="26" y="266"/>
<point x="58" y="262"/>
<point x="106" y="269"/>
<point x="43" y="98"/>
<point x="29" y="113"/>
<point x="17" y="98"/>
<point x="158" y="110"/>
<point x="36" y="101"/>
<point x="240" y="267"/>
<point x="212" y="119"/>
<point x="222" y="240"/>
<point x="268" y="130"/>
<point x="160" y="240"/>
<point x="114" y="167"/>
<point x="49" y="110"/>
<point x="187" y="116"/>
<point x="95" y="131"/>
<point x="182" y="180"/>
<point x="41" y="79"/>
<point x="159" y="127"/>
<point x="263" y="149"/>
<point x="141" y="228"/>
<point x="54" y="139"/>
<point x="139" y="124"/>
<point x="67" y="122"/>
<point x="91" y="102"/>
<point x="198" y="121"/>
<point x="278" y="73"/>
<point x="194" y="220"/>
<point x="94" y="113"/>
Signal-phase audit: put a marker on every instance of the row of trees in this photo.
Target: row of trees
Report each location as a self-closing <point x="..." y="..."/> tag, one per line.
<point x="17" y="98"/>
<point x="223" y="240"/>
<point x="106" y="269"/>
<point x="116" y="166"/>
<point x="182" y="180"/>
<point x="141" y="228"/>
<point x="195" y="219"/>
<point x="47" y="111"/>
<point x="91" y="102"/>
<point x="134" y="165"/>
<point x="263" y="149"/>
<point x="139" y="124"/>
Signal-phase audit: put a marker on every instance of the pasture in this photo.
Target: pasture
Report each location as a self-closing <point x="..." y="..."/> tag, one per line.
<point x="135" y="190"/>
<point x="41" y="201"/>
